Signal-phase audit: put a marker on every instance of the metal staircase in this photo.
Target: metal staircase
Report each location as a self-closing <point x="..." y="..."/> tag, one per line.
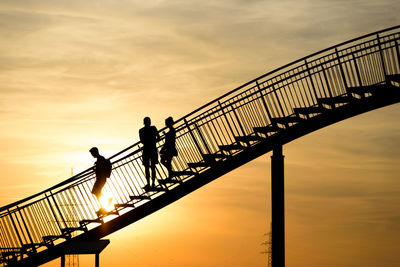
<point x="308" y="94"/>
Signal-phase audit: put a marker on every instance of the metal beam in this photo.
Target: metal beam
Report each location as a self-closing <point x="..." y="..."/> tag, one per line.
<point x="278" y="207"/>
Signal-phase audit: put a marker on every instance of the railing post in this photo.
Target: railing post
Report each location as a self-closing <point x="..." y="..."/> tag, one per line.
<point x="193" y="137"/>
<point x="26" y="228"/>
<point x="381" y="55"/>
<point x="398" y="53"/>
<point x="311" y="80"/>
<point x="15" y="228"/>
<point x="226" y="118"/>
<point x="357" y="70"/>
<point x="278" y="207"/>
<point x="263" y="101"/>
<point x="326" y="81"/>
<point x="346" y="86"/>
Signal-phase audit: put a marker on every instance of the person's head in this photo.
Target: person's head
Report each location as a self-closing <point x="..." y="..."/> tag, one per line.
<point x="169" y="122"/>
<point x="94" y="151"/>
<point x="146" y="121"/>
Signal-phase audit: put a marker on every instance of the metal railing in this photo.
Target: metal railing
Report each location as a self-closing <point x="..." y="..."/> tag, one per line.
<point x="329" y="73"/>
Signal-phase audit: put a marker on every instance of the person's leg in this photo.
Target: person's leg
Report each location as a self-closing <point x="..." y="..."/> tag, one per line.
<point x="146" y="159"/>
<point x="153" y="173"/>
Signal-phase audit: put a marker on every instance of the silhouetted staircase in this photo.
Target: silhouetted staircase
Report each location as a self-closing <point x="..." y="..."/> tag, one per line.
<point x="274" y="109"/>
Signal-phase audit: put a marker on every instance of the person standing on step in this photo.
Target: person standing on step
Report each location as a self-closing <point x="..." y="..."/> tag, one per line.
<point x="169" y="151"/>
<point x="149" y="137"/>
<point x="102" y="168"/>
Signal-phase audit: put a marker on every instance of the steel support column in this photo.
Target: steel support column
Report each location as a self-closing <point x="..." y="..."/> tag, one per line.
<point x="278" y="207"/>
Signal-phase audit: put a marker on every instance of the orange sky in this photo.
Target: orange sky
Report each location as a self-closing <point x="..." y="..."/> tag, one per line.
<point x="74" y="74"/>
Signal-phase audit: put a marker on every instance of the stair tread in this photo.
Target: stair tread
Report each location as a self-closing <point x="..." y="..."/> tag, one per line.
<point x="141" y="197"/>
<point x="87" y="221"/>
<point x="286" y="120"/>
<point x="124" y="205"/>
<point x="231" y="147"/>
<point x="394" y="77"/>
<point x="168" y="181"/>
<point x="248" y="138"/>
<point x="267" y="129"/>
<point x="215" y="156"/>
<point x="309" y="110"/>
<point x="334" y="100"/>
<point x="198" y="164"/>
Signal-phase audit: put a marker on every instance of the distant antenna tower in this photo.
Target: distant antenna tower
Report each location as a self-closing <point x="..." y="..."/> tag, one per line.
<point x="268" y="250"/>
<point x="72" y="260"/>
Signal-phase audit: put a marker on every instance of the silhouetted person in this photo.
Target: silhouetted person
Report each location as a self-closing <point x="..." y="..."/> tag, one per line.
<point x="102" y="168"/>
<point x="149" y="137"/>
<point x="168" y="151"/>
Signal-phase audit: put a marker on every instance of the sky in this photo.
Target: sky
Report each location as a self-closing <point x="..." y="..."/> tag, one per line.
<point x="76" y="74"/>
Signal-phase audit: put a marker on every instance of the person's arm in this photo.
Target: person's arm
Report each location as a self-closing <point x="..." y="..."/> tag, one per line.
<point x="157" y="134"/>
<point x="141" y="135"/>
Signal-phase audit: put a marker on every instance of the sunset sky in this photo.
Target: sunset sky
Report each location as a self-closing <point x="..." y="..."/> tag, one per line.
<point x="76" y="74"/>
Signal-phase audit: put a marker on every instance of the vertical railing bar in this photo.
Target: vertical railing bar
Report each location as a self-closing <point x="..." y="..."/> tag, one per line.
<point x="229" y="123"/>
<point x="226" y="118"/>
<point x="12" y="235"/>
<point x="357" y="70"/>
<point x="39" y="220"/>
<point x="48" y="212"/>
<point x="26" y="227"/>
<point x="381" y="55"/>
<point x="125" y="167"/>
<point x="398" y="53"/>
<point x="65" y="207"/>
<point x="52" y="210"/>
<point x="33" y="224"/>
<point x="86" y="214"/>
<point x="133" y="179"/>
<point x="15" y="228"/>
<point x="311" y="80"/>
<point x="86" y="205"/>
<point x="278" y="100"/>
<point x="342" y="71"/>
<point x="193" y="137"/>
<point x="46" y="225"/>
<point x="238" y="121"/>
<point x="202" y="138"/>
<point x="75" y="214"/>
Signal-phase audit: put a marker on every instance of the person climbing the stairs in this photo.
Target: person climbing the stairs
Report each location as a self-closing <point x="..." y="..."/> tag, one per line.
<point x="149" y="137"/>
<point x="168" y="151"/>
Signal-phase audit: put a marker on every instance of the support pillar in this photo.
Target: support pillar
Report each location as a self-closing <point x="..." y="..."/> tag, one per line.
<point x="278" y="207"/>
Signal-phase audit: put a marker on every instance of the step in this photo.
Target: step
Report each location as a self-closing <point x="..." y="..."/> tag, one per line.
<point x="85" y="222"/>
<point x="343" y="99"/>
<point x="249" y="138"/>
<point x="393" y="78"/>
<point x="286" y="120"/>
<point x="309" y="110"/>
<point x="125" y="205"/>
<point x="182" y="173"/>
<point x="231" y="147"/>
<point x="141" y="197"/>
<point x="168" y="181"/>
<point x="154" y="189"/>
<point x="200" y="164"/>
<point x="73" y="229"/>
<point x="50" y="238"/>
<point x="267" y="129"/>
<point x="102" y="212"/>
<point x="214" y="156"/>
<point x="362" y="90"/>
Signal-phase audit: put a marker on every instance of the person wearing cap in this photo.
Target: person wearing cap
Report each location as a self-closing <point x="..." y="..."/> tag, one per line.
<point x="102" y="168"/>
<point x="149" y="136"/>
